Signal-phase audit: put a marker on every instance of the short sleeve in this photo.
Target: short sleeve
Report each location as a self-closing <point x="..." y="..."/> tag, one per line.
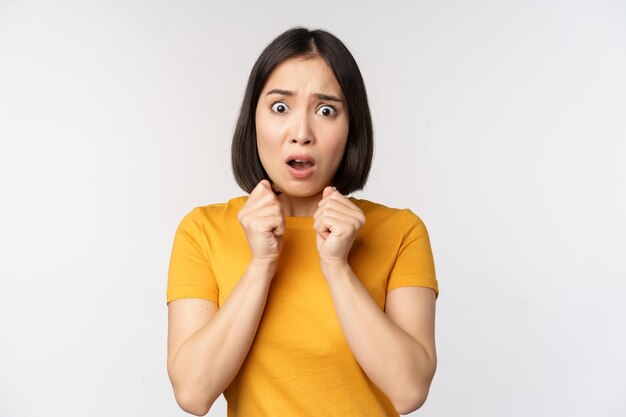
<point x="190" y="274"/>
<point x="414" y="264"/>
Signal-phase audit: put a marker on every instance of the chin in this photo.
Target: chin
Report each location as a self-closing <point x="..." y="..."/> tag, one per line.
<point x="300" y="190"/>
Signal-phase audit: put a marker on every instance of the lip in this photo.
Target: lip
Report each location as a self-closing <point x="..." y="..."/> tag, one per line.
<point x="300" y="156"/>
<point x="300" y="173"/>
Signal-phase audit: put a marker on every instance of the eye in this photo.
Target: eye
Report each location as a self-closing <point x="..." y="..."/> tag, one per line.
<point x="327" y="110"/>
<point x="280" y="107"/>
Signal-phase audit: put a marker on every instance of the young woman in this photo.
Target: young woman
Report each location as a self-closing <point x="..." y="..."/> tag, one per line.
<point x="298" y="300"/>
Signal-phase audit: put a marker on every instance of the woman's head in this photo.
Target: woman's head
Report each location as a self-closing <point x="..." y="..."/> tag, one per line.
<point x="305" y="96"/>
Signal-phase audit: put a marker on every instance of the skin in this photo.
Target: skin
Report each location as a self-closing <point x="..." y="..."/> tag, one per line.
<point x="301" y="122"/>
<point x="292" y="118"/>
<point x="395" y="347"/>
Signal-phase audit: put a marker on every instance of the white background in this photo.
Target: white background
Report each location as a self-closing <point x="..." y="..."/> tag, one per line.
<point x="502" y="124"/>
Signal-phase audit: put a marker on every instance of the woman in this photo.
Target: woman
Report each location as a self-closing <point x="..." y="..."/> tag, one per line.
<point x="298" y="300"/>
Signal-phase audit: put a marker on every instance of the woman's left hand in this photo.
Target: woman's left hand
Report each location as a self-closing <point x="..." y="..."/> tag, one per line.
<point x="337" y="222"/>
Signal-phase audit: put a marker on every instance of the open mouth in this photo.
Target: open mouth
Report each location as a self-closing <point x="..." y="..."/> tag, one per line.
<point x="300" y="164"/>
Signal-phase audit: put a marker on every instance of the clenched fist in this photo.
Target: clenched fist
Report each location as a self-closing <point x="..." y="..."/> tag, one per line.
<point x="263" y="222"/>
<point x="337" y="222"/>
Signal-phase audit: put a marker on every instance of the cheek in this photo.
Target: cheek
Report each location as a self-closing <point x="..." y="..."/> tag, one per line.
<point x="267" y="133"/>
<point x="337" y="145"/>
<point x="261" y="129"/>
<point x="268" y="143"/>
<point x="263" y="135"/>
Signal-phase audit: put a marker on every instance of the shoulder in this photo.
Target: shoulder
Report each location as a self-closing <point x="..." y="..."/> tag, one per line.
<point x="216" y="213"/>
<point x="377" y="212"/>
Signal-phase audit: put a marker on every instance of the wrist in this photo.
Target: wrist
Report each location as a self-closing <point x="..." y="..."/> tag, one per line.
<point x="262" y="267"/>
<point x="334" y="267"/>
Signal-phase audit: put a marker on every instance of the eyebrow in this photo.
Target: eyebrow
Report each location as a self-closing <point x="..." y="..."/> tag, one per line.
<point x="291" y="93"/>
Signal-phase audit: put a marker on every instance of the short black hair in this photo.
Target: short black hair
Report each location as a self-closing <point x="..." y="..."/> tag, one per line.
<point x="355" y="166"/>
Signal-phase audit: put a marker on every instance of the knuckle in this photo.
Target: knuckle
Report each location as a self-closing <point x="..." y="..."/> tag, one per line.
<point x="265" y="199"/>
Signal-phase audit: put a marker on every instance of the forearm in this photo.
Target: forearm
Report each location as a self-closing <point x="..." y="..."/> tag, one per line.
<point x="209" y="359"/>
<point x="391" y="358"/>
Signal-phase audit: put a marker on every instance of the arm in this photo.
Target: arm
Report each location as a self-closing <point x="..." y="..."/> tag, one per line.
<point x="395" y="348"/>
<point x="207" y="346"/>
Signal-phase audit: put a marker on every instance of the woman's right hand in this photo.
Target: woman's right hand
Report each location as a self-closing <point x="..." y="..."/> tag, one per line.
<point x="263" y="221"/>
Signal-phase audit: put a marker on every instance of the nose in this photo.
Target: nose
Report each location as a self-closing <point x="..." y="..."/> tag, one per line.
<point x="301" y="132"/>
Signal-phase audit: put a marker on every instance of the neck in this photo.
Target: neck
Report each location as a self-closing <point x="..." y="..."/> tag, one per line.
<point x="299" y="206"/>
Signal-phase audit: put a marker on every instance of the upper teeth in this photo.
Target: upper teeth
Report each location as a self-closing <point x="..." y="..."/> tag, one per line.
<point x="300" y="160"/>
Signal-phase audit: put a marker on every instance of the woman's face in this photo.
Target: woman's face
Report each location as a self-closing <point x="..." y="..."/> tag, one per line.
<point x="301" y="126"/>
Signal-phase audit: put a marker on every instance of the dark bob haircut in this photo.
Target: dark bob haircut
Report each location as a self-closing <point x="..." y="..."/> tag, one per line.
<point x="355" y="166"/>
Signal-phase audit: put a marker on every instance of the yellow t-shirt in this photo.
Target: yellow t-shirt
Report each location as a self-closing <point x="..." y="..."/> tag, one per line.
<point x="300" y="363"/>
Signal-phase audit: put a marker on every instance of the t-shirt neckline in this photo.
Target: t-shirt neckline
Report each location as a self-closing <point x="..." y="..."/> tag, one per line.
<point x="299" y="222"/>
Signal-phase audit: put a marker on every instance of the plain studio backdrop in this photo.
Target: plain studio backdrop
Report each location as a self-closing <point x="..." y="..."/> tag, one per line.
<point x="502" y="124"/>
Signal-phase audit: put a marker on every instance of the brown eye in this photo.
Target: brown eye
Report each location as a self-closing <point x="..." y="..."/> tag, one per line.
<point x="280" y="107"/>
<point x="327" y="111"/>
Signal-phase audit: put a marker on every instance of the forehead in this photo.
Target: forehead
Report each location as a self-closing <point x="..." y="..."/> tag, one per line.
<point x="304" y="74"/>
